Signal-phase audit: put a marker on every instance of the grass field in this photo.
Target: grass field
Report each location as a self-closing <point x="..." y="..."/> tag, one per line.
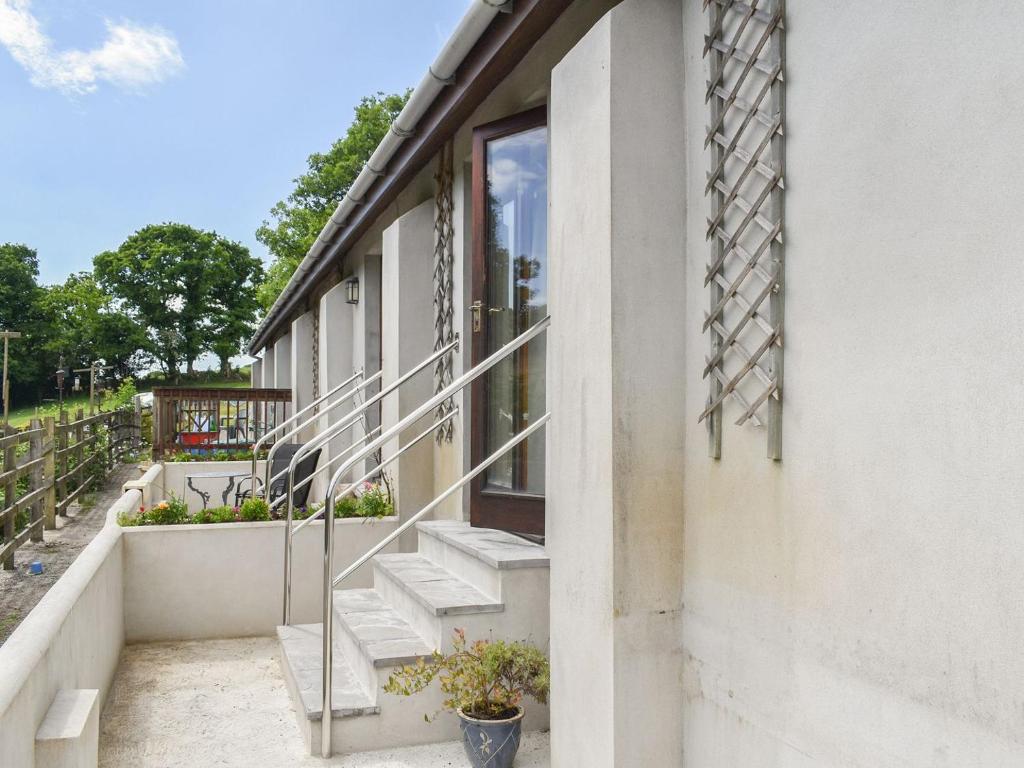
<point x="20" y="417"/>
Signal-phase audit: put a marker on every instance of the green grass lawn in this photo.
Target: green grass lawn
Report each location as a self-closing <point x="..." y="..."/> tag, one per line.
<point x="20" y="417"/>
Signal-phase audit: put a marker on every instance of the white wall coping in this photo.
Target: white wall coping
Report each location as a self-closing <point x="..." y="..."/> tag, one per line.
<point x="252" y="524"/>
<point x="31" y="641"/>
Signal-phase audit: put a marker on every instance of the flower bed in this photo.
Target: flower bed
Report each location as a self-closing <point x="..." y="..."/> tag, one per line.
<point x="372" y="500"/>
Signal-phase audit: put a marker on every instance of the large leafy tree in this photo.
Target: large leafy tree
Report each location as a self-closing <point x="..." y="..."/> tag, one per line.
<point x="298" y="219"/>
<point x="21" y="310"/>
<point x="189" y="287"/>
<point x="86" y="324"/>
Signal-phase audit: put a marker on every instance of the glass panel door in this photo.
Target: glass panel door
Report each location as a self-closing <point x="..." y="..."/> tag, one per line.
<point x="510" y="283"/>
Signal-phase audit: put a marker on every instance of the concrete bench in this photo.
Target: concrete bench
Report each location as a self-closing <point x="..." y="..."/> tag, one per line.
<point x="70" y="734"/>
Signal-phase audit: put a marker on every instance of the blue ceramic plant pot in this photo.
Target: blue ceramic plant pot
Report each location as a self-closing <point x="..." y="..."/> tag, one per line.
<point x="491" y="743"/>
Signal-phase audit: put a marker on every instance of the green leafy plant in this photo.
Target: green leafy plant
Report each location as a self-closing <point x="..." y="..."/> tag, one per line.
<point x="375" y="501"/>
<point x="254" y="510"/>
<point x="215" y="515"/>
<point x="487" y="680"/>
<point x="173" y="511"/>
<point x="347" y="506"/>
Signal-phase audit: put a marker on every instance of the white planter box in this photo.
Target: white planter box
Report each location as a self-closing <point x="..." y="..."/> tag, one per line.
<point x="226" y="579"/>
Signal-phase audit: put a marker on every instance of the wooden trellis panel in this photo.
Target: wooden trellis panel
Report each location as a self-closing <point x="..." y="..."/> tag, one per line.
<point x="745" y="48"/>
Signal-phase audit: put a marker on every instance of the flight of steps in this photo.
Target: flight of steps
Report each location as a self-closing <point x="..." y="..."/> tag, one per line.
<point x="489" y="583"/>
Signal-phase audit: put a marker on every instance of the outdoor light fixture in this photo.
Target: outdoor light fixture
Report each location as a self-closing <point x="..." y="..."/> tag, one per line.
<point x="352" y="290"/>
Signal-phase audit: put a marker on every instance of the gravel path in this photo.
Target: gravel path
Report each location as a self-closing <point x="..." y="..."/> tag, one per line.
<point x="19" y="590"/>
<point x="224" y="703"/>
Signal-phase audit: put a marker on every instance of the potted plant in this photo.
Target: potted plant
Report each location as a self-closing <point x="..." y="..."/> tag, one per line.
<point x="484" y="684"/>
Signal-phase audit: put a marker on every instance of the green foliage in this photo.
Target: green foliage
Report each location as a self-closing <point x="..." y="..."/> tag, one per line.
<point x="173" y="511"/>
<point x="299" y="219"/>
<point x="123" y="398"/>
<point x="192" y="289"/>
<point x="21" y="310"/>
<point x="254" y="510"/>
<point x="215" y="515"/>
<point x="375" y="501"/>
<point x="186" y="457"/>
<point x="347" y="506"/>
<point x="86" y="324"/>
<point x="487" y="680"/>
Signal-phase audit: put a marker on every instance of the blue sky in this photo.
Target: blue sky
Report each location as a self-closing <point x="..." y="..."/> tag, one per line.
<point x="117" y="114"/>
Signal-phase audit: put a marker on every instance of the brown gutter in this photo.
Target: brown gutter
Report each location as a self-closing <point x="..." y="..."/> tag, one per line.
<point x="509" y="37"/>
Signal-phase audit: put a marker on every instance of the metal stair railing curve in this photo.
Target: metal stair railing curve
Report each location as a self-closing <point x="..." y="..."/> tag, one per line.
<point x="329" y="581"/>
<point x="321" y="439"/>
<point x="269" y="433"/>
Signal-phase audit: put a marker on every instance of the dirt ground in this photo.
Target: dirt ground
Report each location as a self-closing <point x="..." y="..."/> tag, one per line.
<point x="224" y="703"/>
<point x="19" y="590"/>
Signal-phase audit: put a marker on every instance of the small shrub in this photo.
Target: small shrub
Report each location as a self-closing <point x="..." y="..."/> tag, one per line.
<point x="487" y="680"/>
<point x="215" y="515"/>
<point x="174" y="511"/>
<point x="375" y="501"/>
<point x="254" y="510"/>
<point x="347" y="507"/>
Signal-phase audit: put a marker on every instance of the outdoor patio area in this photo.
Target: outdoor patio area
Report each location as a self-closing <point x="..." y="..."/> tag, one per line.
<point x="224" y="703"/>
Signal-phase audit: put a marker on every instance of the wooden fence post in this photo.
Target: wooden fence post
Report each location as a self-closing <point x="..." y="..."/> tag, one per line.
<point x="112" y="434"/>
<point x="62" y="460"/>
<point x="10" y="493"/>
<point x="49" y="476"/>
<point x="35" y="479"/>
<point x="79" y="448"/>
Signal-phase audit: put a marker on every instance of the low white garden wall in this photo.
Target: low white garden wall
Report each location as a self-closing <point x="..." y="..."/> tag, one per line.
<point x="71" y="639"/>
<point x="174" y="481"/>
<point x="225" y="580"/>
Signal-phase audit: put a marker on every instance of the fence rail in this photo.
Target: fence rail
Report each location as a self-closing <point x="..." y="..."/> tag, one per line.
<point x="205" y="419"/>
<point x="51" y="464"/>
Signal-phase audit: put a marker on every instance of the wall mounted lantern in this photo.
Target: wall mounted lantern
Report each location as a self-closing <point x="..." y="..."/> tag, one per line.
<point x="352" y="290"/>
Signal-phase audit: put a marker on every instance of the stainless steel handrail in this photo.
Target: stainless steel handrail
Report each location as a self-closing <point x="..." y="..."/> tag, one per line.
<point x="267" y="480"/>
<point x="334" y="430"/>
<point x="328" y="573"/>
<point x="321" y="439"/>
<point x="286" y="422"/>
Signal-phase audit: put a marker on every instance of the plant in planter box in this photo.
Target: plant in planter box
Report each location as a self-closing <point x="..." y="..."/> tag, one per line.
<point x="484" y="684"/>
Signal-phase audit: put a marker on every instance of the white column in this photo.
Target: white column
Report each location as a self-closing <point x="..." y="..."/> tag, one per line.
<point x="268" y="367"/>
<point x="407" y="331"/>
<point x="283" y="362"/>
<point x="256" y="374"/>
<point x="302" y="367"/>
<point x="615" y="387"/>
<point x="336" y="365"/>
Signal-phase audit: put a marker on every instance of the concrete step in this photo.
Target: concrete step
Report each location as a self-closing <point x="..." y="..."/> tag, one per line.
<point x="302" y="662"/>
<point x="374" y="636"/>
<point x="483" y="557"/>
<point x="430" y="598"/>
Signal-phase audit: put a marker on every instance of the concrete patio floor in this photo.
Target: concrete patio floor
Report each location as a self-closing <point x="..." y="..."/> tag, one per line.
<point x="224" y="703"/>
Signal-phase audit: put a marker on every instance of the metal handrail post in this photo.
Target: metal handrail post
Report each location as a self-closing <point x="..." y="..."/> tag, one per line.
<point x="283" y="424"/>
<point x="267" y="480"/>
<point x="478" y="370"/>
<point x="330" y="581"/>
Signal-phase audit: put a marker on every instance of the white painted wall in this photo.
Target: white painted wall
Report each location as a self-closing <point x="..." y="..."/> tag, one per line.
<point x="72" y="639"/>
<point x="226" y="580"/>
<point x="256" y="374"/>
<point x="269" y="367"/>
<point x="174" y="481"/>
<point x="337" y="364"/>
<point x="302" y="367"/>
<point x="408" y="337"/>
<point x="283" y="362"/>
<point x="614" y="479"/>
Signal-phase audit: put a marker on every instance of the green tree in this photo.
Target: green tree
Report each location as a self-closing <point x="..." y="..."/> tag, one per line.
<point x="21" y="310"/>
<point x="178" y="281"/>
<point x="299" y="219"/>
<point x="86" y="324"/>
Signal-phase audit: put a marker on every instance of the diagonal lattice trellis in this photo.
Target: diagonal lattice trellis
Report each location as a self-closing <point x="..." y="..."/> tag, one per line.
<point x="443" y="282"/>
<point x="745" y="47"/>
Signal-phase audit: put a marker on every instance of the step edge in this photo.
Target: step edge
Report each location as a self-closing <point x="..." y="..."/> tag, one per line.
<point x="499" y="565"/>
<point x="491" y="606"/>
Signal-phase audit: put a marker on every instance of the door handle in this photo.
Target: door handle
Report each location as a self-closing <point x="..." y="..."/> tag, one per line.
<point x="477" y="308"/>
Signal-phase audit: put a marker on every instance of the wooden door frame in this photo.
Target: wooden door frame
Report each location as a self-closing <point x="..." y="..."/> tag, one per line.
<point x="518" y="512"/>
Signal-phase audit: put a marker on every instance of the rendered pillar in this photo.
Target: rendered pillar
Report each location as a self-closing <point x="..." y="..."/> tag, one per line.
<point x="302" y="368"/>
<point x="616" y="380"/>
<point x="407" y="330"/>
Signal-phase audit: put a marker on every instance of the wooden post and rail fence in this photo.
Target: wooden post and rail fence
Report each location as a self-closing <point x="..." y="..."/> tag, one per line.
<point x="51" y="464"/>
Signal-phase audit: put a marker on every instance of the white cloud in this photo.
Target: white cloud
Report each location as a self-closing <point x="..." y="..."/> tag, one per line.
<point x="131" y="57"/>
